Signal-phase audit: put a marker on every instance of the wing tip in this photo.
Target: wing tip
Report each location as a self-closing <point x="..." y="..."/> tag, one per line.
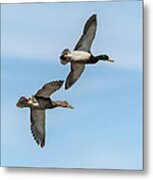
<point x="66" y="86"/>
<point x="39" y="141"/>
<point x="94" y="16"/>
<point x="68" y="83"/>
<point x="60" y="82"/>
<point x="42" y="144"/>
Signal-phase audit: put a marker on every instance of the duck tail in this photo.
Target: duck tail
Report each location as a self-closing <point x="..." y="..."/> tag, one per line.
<point x="64" y="62"/>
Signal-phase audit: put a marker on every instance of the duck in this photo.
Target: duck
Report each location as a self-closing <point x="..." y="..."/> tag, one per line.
<point x="81" y="55"/>
<point x="38" y="103"/>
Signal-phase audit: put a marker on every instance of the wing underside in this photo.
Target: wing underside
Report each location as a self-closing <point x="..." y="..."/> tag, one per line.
<point x="88" y="35"/>
<point x="49" y="88"/>
<point x="76" y="71"/>
<point x="38" y="126"/>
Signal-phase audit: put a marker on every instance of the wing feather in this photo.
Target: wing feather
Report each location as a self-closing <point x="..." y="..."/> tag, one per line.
<point x="88" y="35"/>
<point x="49" y="89"/>
<point x="73" y="76"/>
<point x="38" y="126"/>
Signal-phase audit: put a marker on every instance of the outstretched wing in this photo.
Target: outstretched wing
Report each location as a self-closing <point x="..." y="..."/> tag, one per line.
<point x="76" y="71"/>
<point x="38" y="126"/>
<point x="49" y="89"/>
<point x="88" y="35"/>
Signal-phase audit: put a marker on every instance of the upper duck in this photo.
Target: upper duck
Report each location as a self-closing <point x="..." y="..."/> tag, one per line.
<point x="38" y="104"/>
<point x="81" y="54"/>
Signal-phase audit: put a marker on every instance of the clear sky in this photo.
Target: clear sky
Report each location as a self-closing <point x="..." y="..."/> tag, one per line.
<point x="105" y="128"/>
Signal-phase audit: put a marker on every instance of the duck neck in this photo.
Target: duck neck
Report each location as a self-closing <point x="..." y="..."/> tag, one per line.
<point x="99" y="57"/>
<point x="92" y="60"/>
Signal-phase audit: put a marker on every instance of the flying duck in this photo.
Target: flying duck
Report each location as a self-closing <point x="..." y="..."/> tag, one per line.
<point x="82" y="54"/>
<point x="38" y="104"/>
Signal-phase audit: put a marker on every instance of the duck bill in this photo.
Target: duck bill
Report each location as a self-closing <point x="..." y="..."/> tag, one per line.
<point x="70" y="107"/>
<point x="110" y="60"/>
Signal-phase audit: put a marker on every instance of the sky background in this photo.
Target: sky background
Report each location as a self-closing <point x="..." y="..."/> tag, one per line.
<point x="105" y="128"/>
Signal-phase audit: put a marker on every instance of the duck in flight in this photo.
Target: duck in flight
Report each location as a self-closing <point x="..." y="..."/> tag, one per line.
<point x="38" y="104"/>
<point x="82" y="54"/>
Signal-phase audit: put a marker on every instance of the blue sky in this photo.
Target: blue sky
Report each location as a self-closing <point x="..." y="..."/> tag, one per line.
<point x="105" y="128"/>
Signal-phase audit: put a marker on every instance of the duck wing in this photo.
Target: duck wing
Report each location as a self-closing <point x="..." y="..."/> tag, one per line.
<point x="38" y="126"/>
<point x="75" y="73"/>
<point x="88" y="35"/>
<point x="49" y="88"/>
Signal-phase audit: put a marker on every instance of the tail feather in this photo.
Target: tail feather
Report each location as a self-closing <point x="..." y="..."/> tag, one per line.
<point x="63" y="61"/>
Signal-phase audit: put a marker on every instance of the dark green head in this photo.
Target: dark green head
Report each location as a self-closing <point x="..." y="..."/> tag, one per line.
<point x="104" y="57"/>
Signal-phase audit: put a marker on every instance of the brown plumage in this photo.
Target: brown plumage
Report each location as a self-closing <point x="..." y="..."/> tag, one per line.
<point x="38" y="104"/>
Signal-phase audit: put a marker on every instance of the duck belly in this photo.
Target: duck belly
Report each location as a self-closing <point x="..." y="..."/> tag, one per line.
<point x="80" y="56"/>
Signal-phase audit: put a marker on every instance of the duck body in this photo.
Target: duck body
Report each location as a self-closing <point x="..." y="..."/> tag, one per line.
<point x="75" y="56"/>
<point x="44" y="103"/>
<point x="79" y="57"/>
<point x="47" y="103"/>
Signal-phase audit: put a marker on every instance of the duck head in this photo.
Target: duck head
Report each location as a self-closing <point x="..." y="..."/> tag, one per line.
<point x="27" y="102"/>
<point x="104" y="57"/>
